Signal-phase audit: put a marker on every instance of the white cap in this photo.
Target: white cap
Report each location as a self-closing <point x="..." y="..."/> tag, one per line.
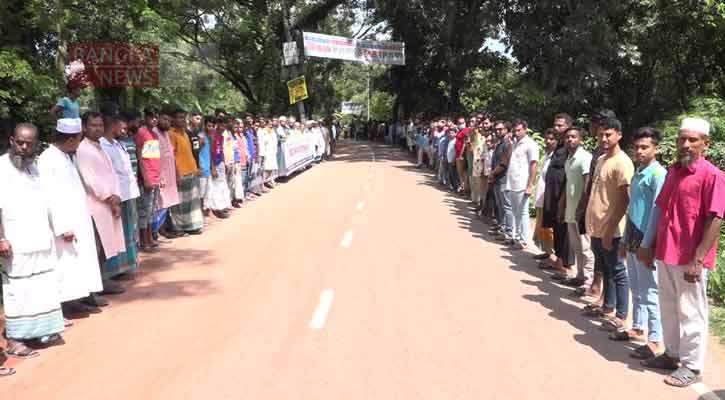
<point x="696" y="125"/>
<point x="69" y="126"/>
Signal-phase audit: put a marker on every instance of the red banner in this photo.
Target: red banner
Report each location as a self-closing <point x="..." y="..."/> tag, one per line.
<point x="119" y="64"/>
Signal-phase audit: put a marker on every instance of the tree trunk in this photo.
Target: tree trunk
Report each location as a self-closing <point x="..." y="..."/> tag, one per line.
<point x="62" y="54"/>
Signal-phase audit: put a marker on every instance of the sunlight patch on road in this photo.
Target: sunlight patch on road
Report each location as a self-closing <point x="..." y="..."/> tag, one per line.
<point x="704" y="392"/>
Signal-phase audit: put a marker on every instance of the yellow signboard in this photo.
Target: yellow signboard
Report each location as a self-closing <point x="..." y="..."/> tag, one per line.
<point x="297" y="89"/>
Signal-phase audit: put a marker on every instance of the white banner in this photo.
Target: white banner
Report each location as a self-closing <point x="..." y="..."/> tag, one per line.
<point x="296" y="153"/>
<point x="351" y="108"/>
<point x="364" y="51"/>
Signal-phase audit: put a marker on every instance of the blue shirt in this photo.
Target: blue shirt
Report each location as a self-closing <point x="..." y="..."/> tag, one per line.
<point x="70" y="107"/>
<point x="646" y="185"/>
<point x="643" y="191"/>
<point x="451" y="151"/>
<point x="205" y="156"/>
<point x="250" y="143"/>
<point x="443" y="145"/>
<point x="423" y="141"/>
<point x="237" y="155"/>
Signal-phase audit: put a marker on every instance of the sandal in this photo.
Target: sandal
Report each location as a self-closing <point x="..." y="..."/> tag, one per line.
<point x="683" y="377"/>
<point x="545" y="266"/>
<point x="21" y="351"/>
<point x="594" y="313"/>
<point x="643" y="352"/>
<point x="620" y="335"/>
<point x="613" y="324"/>
<point x="5" y="371"/>
<point x="572" y="282"/>
<point x="662" y="361"/>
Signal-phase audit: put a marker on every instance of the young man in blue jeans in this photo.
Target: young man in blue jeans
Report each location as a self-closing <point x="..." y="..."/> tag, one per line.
<point x="646" y="185"/>
<point x="605" y="221"/>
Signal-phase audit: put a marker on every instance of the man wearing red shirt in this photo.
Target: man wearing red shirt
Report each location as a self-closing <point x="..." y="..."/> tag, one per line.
<point x="149" y="156"/>
<point x="461" y="147"/>
<point x="690" y="207"/>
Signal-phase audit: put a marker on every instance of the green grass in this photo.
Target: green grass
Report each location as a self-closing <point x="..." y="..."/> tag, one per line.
<point x="717" y="322"/>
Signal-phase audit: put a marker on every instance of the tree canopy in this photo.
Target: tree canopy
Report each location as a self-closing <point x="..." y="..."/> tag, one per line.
<point x="649" y="60"/>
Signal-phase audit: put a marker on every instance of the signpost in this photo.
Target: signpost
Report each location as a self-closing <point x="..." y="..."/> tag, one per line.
<point x="291" y="54"/>
<point x="297" y="89"/>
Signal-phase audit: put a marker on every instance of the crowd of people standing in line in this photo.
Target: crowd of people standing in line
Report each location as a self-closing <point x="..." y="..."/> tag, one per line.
<point x="111" y="185"/>
<point x="610" y="226"/>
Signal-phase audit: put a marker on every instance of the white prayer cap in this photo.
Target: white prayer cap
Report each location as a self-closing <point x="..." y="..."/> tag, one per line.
<point x="283" y="118"/>
<point x="69" y="126"/>
<point x="696" y="125"/>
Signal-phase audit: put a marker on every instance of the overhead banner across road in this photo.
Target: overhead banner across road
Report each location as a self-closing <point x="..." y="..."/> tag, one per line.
<point x="364" y="51"/>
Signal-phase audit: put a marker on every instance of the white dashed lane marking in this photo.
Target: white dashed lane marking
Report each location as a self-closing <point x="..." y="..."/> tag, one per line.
<point x="347" y="239"/>
<point x="323" y="308"/>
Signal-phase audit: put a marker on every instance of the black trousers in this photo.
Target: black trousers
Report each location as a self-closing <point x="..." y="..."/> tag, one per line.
<point x="562" y="249"/>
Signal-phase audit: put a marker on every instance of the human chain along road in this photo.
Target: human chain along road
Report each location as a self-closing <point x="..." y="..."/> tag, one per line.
<point x="326" y="290"/>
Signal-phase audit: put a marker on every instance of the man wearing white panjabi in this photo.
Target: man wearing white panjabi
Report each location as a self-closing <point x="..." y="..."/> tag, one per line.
<point x="29" y="281"/>
<point x="75" y="243"/>
<point x="318" y="140"/>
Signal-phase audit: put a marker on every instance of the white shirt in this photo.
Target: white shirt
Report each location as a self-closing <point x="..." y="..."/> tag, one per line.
<point x="525" y="151"/>
<point x="121" y="161"/>
<point x="24" y="206"/>
<point x="541" y="182"/>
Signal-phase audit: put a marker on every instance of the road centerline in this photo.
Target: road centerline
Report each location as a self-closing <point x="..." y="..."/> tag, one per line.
<point x="347" y="239"/>
<point x="322" y="310"/>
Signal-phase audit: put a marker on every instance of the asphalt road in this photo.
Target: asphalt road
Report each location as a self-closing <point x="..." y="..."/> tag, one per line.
<point x="357" y="279"/>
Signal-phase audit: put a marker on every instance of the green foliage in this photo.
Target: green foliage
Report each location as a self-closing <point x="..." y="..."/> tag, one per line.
<point x="504" y="92"/>
<point x="716" y="281"/>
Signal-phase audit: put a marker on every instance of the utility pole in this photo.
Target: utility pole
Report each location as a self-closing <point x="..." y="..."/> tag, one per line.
<point x="294" y="72"/>
<point x="368" y="93"/>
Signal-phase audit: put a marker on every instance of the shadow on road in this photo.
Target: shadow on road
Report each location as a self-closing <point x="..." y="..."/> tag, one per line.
<point x="148" y="285"/>
<point x="551" y="294"/>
